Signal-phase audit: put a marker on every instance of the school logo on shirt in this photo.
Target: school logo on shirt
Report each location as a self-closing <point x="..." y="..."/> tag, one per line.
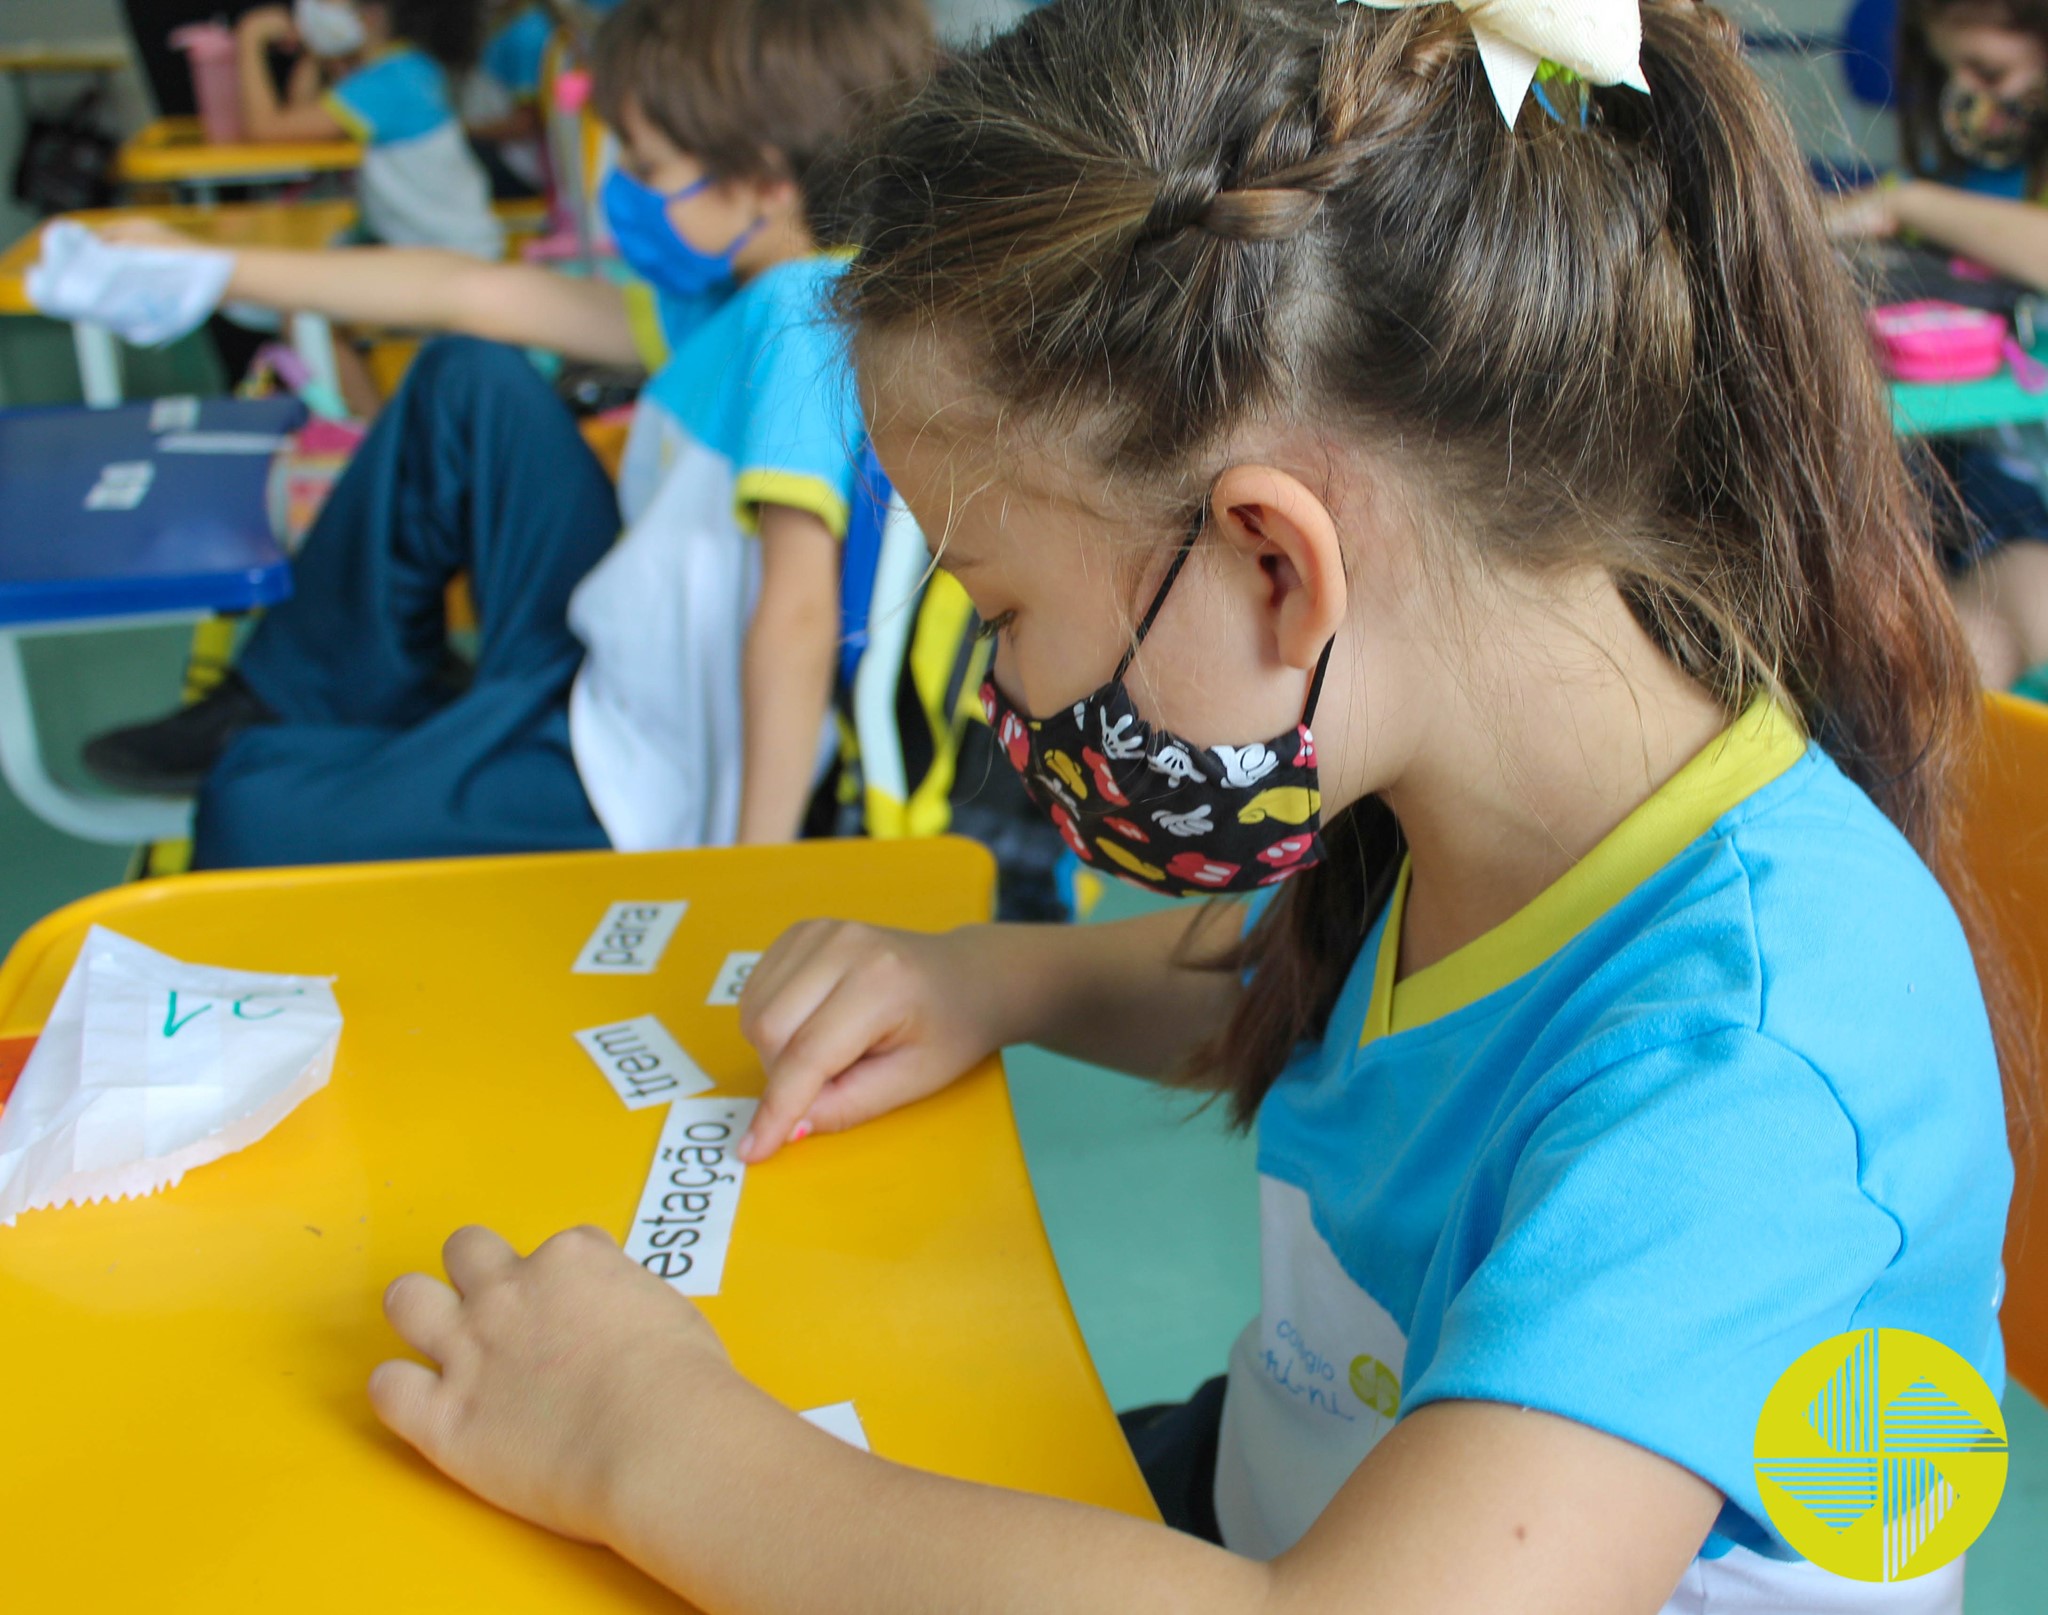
<point x="1881" y="1454"/>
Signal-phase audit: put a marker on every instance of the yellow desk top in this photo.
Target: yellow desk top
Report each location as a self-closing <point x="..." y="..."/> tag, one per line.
<point x="185" y="1421"/>
<point x="73" y="56"/>
<point x="226" y="224"/>
<point x="174" y="151"/>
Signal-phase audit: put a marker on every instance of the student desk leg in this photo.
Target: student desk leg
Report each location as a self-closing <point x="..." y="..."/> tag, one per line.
<point x="118" y="821"/>
<point x="99" y="357"/>
<point x="313" y="341"/>
<point x="99" y="363"/>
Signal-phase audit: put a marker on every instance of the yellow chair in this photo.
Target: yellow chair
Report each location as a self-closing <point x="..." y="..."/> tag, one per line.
<point x="2006" y="849"/>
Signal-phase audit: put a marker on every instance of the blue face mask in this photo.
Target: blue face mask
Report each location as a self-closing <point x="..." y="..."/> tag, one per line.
<point x="637" y="216"/>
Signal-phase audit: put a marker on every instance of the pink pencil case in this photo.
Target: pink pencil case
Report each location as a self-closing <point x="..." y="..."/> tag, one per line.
<point x="1933" y="341"/>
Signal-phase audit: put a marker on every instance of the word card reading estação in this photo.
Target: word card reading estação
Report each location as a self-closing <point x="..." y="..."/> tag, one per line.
<point x="629" y="940"/>
<point x="684" y="1224"/>
<point x="732" y="979"/>
<point x="643" y="1063"/>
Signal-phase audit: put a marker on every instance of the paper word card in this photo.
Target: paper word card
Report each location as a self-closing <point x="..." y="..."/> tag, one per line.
<point x="644" y="1065"/>
<point x="732" y="978"/>
<point x="840" y="1420"/>
<point x="629" y="940"/>
<point x="684" y="1223"/>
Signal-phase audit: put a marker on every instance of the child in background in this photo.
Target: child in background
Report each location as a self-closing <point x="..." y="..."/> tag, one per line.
<point x="666" y="690"/>
<point x="1611" y="1037"/>
<point x="389" y="60"/>
<point x="499" y="100"/>
<point x="1973" y="134"/>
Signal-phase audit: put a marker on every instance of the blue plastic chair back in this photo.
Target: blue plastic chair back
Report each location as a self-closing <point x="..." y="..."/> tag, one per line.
<point x="858" y="558"/>
<point x="1870" y="45"/>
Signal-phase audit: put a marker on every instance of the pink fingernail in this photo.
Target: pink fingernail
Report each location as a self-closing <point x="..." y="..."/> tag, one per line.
<point x="800" y="1132"/>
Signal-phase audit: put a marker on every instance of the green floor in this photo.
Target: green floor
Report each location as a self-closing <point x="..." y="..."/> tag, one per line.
<point x="1152" y="1208"/>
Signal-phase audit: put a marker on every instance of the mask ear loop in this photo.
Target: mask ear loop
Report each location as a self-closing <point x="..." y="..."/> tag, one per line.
<point x="697" y="187"/>
<point x="1180" y="559"/>
<point x="1315" y="683"/>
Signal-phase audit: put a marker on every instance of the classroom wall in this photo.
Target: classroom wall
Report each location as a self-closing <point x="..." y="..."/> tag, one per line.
<point x="1810" y="87"/>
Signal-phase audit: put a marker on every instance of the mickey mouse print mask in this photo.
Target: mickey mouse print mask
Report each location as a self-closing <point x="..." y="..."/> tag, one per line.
<point x="1155" y="810"/>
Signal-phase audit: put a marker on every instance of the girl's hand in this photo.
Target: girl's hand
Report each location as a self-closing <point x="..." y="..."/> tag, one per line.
<point x="853" y="1021"/>
<point x="549" y="1368"/>
<point x="1868" y="214"/>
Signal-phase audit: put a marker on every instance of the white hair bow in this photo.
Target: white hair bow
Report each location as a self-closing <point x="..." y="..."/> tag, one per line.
<point x="1600" y="40"/>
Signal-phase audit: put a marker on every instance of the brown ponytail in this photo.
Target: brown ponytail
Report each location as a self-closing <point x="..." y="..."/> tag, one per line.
<point x="1624" y="341"/>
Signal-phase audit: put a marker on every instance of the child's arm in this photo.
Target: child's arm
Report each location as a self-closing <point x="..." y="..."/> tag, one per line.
<point x="307" y="83"/>
<point x="786" y="672"/>
<point x="852" y="1021"/>
<point x="576" y="1389"/>
<point x="2009" y="238"/>
<point x="263" y="116"/>
<point x="427" y="288"/>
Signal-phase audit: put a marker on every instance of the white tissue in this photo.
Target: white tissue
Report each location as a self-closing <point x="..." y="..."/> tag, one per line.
<point x="144" y="295"/>
<point x="149" y="1067"/>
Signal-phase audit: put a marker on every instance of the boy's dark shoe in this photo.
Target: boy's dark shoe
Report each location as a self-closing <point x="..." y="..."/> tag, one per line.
<point x="170" y="756"/>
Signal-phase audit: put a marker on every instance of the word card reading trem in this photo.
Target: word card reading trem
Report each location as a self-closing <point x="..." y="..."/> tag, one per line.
<point x="732" y="979"/>
<point x="629" y="940"/>
<point x="643" y="1063"/>
<point x="684" y="1224"/>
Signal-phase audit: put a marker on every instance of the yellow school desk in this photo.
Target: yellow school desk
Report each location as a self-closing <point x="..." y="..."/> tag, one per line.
<point x="235" y="224"/>
<point x="175" y="151"/>
<point x="72" y="56"/>
<point x="186" y="1428"/>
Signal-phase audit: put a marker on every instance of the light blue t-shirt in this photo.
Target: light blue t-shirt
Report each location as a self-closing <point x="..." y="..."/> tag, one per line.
<point x="1724" y="1091"/>
<point x="420" y="185"/>
<point x="752" y="404"/>
<point x="514" y="55"/>
<point x="400" y="95"/>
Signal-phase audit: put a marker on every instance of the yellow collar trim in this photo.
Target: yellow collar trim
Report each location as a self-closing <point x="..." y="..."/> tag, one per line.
<point x="1750" y="753"/>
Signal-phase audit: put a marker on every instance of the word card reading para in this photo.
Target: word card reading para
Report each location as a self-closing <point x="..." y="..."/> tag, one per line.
<point x="684" y="1223"/>
<point x="629" y="940"/>
<point x="643" y="1063"/>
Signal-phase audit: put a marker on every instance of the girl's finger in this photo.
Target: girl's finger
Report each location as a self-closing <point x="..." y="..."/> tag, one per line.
<point x="474" y="1256"/>
<point x="787" y="1007"/>
<point x="872" y="1087"/>
<point x="774" y="966"/>
<point x="787" y="985"/>
<point x="425" y="1312"/>
<point x="845" y="1027"/>
<point x="403" y="1394"/>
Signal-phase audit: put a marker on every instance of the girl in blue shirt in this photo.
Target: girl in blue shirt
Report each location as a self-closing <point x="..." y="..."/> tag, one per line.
<point x="1488" y="541"/>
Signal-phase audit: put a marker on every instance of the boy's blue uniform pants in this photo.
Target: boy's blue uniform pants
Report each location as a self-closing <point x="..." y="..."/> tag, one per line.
<point x="475" y="468"/>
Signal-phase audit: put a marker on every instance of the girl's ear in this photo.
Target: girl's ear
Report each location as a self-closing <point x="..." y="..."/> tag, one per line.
<point x="1279" y="526"/>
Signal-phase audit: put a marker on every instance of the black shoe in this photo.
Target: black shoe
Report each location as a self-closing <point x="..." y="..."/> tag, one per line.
<point x="172" y="755"/>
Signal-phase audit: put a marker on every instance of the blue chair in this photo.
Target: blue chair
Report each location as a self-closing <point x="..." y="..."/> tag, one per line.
<point x="1870" y="48"/>
<point x="140" y="514"/>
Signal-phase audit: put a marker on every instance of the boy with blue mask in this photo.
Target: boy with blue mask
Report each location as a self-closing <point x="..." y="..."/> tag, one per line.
<point x="667" y="689"/>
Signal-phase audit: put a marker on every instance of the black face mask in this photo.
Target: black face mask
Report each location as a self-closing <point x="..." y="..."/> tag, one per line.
<point x="1990" y="131"/>
<point x="1157" y="811"/>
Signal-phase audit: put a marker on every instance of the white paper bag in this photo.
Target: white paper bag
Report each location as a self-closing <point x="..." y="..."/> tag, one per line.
<point x="150" y="1066"/>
